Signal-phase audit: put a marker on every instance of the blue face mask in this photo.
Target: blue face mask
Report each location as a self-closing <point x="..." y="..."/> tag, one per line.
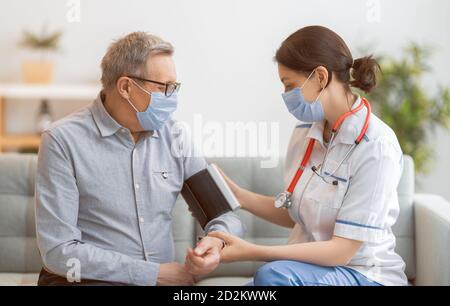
<point x="159" y="110"/>
<point x="301" y="109"/>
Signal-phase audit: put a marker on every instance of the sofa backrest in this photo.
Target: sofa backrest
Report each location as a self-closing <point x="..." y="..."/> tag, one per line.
<point x="18" y="249"/>
<point x="19" y="253"/>
<point x="404" y="227"/>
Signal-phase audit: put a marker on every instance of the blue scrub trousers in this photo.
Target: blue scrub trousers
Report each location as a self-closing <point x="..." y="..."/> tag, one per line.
<point x="295" y="273"/>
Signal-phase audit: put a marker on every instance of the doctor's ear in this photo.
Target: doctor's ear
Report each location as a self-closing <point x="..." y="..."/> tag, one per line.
<point x="322" y="76"/>
<point x="123" y="86"/>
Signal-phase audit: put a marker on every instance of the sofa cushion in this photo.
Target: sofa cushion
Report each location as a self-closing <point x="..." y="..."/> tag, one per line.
<point x="18" y="279"/>
<point x="404" y="227"/>
<point x="225" y="281"/>
<point x="18" y="249"/>
<point x="183" y="229"/>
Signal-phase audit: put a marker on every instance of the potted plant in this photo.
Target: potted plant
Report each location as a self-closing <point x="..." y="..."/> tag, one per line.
<point x="401" y="101"/>
<point x="39" y="70"/>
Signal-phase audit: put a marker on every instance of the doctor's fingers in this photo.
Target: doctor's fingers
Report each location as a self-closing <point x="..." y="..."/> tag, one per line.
<point x="206" y="245"/>
<point x="224" y="255"/>
<point x="229" y="239"/>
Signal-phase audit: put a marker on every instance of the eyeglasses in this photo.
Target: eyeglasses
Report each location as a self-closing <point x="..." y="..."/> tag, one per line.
<point x="169" y="88"/>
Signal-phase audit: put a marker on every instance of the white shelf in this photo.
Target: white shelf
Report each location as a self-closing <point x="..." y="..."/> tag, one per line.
<point x="51" y="91"/>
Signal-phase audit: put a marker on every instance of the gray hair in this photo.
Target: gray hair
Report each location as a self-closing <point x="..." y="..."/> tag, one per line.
<point x="128" y="56"/>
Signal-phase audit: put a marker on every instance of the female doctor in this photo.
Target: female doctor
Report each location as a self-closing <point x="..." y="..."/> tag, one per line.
<point x="343" y="166"/>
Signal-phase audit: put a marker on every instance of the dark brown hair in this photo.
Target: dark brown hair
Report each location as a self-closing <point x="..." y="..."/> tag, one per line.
<point x="315" y="46"/>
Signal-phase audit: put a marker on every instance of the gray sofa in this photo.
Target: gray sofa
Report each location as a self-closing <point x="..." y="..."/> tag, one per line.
<point x="422" y="231"/>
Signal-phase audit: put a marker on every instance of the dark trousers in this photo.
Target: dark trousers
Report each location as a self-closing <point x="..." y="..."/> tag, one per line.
<point x="49" y="279"/>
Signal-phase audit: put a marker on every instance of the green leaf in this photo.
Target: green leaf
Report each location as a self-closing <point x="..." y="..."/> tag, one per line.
<point x="401" y="102"/>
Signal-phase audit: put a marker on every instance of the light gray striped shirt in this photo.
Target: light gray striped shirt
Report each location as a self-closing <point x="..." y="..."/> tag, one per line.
<point x="106" y="202"/>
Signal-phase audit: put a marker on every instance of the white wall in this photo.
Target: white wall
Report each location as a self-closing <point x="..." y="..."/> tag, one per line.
<point x="224" y="49"/>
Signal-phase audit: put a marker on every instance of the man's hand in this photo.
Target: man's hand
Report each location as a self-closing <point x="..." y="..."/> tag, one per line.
<point x="206" y="256"/>
<point x="174" y="274"/>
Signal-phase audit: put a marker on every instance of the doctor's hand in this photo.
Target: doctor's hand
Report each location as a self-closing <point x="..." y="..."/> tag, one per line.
<point x="236" y="249"/>
<point x="206" y="256"/>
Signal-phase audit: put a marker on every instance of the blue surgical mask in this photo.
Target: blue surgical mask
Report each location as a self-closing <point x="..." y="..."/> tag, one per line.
<point x="301" y="109"/>
<point x="159" y="110"/>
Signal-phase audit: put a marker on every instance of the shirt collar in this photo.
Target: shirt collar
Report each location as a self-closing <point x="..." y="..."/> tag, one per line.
<point x="349" y="130"/>
<point x="105" y="123"/>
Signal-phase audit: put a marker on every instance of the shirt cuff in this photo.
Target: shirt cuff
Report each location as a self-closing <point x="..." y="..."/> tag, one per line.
<point x="228" y="223"/>
<point x="144" y="273"/>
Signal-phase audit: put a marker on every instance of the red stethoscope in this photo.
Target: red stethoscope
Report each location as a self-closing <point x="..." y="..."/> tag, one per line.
<point x="283" y="200"/>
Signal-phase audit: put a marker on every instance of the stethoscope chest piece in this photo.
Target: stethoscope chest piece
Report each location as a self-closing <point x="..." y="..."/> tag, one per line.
<point x="283" y="200"/>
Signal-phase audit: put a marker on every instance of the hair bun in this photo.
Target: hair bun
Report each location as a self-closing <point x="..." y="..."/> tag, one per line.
<point x="364" y="73"/>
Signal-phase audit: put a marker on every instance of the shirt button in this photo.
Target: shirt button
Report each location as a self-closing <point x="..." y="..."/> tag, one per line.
<point x="141" y="220"/>
<point x="137" y="186"/>
<point x="123" y="130"/>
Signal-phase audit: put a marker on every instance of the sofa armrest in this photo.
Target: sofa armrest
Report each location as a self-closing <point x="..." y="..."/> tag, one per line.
<point x="432" y="226"/>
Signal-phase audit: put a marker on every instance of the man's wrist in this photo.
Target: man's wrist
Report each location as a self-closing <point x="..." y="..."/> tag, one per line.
<point x="220" y="242"/>
<point x="160" y="275"/>
<point x="223" y="243"/>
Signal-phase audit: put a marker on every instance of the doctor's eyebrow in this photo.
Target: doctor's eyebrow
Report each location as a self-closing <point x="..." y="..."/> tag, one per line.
<point x="285" y="79"/>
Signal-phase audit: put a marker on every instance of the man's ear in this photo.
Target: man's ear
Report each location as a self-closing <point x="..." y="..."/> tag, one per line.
<point x="123" y="86"/>
<point x="322" y="76"/>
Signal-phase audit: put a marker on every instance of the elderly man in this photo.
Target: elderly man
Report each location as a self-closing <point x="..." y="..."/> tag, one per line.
<point x="108" y="178"/>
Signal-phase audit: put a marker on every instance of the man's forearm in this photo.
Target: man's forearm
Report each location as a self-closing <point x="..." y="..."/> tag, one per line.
<point x="91" y="262"/>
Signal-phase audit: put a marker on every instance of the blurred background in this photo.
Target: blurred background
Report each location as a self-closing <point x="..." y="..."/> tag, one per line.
<point x="50" y="53"/>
